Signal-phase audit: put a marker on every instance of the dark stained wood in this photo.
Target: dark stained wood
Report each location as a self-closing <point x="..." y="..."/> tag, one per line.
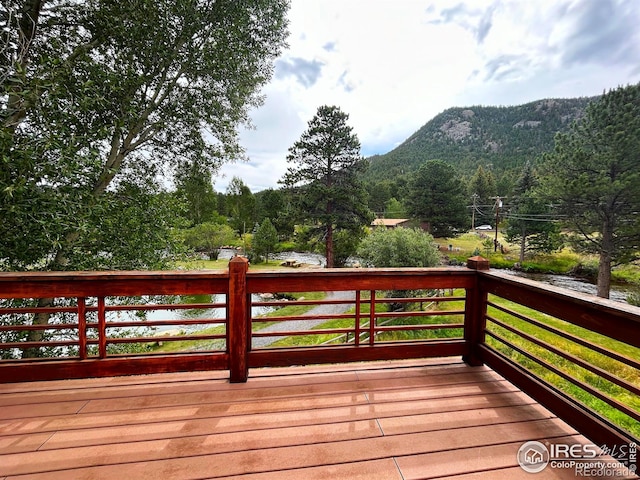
<point x="82" y="328"/>
<point x="278" y="357"/>
<point x="96" y="284"/>
<point x="608" y="318"/>
<point x="612" y="319"/>
<point x="474" y="317"/>
<point x="599" y="431"/>
<point x="376" y="421"/>
<point x="358" y="279"/>
<point x="239" y="320"/>
<point x="600" y="372"/>
<point x="19" y="371"/>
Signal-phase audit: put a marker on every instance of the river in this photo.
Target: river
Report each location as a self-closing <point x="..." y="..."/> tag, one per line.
<point x="618" y="292"/>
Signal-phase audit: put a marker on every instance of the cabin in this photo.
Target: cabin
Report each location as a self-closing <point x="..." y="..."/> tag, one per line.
<point x="391" y="222"/>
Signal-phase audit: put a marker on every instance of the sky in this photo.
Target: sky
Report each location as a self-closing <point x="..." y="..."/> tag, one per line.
<point x="392" y="65"/>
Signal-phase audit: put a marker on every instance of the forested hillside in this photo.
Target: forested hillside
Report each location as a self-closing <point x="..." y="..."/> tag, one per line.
<point x="504" y="137"/>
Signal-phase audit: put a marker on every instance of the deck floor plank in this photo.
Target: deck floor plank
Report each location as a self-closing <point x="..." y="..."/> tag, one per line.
<point x="386" y="420"/>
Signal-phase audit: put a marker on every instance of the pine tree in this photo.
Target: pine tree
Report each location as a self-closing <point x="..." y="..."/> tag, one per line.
<point x="325" y="176"/>
<point x="593" y="175"/>
<point x="436" y="196"/>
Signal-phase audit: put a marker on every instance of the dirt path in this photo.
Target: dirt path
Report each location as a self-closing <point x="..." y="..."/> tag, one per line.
<point x="298" y="325"/>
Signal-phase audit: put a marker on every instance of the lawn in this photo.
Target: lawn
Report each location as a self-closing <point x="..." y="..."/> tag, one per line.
<point x="566" y="366"/>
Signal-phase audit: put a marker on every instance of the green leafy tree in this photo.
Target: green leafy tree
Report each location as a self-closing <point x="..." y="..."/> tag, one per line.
<point x="325" y="176"/>
<point x="529" y="221"/>
<point x="241" y="206"/>
<point x="593" y="176"/>
<point x="436" y="196"/>
<point x="346" y="243"/>
<point x="97" y="94"/>
<point x="209" y="238"/>
<point x="194" y="187"/>
<point x="399" y="247"/>
<point x="98" y="97"/>
<point x="275" y="205"/>
<point x="394" y="209"/>
<point x="265" y="239"/>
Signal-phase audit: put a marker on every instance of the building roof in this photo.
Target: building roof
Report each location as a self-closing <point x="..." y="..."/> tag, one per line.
<point x="388" y="222"/>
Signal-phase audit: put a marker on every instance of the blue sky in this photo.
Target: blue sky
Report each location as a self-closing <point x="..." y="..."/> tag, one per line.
<point x="392" y="65"/>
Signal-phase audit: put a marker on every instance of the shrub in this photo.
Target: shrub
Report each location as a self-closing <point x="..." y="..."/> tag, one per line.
<point x="399" y="247"/>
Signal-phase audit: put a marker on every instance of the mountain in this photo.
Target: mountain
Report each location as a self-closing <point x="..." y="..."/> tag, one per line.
<point x="504" y="137"/>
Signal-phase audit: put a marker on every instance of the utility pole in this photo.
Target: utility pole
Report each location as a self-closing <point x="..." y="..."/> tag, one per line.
<point x="498" y="207"/>
<point x="473" y="211"/>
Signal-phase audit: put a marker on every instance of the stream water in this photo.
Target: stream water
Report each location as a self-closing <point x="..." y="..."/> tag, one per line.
<point x="618" y="292"/>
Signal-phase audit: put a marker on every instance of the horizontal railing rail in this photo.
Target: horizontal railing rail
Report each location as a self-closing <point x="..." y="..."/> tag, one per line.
<point x="79" y="324"/>
<point x="576" y="354"/>
<point x="363" y="312"/>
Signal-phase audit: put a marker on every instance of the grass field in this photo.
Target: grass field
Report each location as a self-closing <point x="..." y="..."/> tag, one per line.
<point x="566" y="366"/>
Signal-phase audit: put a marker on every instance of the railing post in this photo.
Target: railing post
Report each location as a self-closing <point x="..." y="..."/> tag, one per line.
<point x="239" y="317"/>
<point x="475" y="314"/>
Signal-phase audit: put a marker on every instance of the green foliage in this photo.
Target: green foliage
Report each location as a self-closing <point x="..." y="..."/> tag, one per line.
<point x="436" y="196"/>
<point x="265" y="239"/>
<point x="275" y="205"/>
<point x="394" y="209"/>
<point x="482" y="187"/>
<point x="399" y="247"/>
<point x="529" y="222"/>
<point x="194" y="187"/>
<point x="346" y="244"/>
<point x="324" y="176"/>
<point x="593" y="176"/>
<point x="241" y="205"/>
<point x="209" y="237"/>
<point x="101" y="94"/>
<point x="503" y="137"/>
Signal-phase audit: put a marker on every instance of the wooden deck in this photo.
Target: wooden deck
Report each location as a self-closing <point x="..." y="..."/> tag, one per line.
<point x="386" y="420"/>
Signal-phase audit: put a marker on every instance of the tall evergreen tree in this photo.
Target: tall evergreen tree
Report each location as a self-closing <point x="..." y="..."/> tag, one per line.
<point x="436" y="196"/>
<point x="529" y="221"/>
<point x="482" y="186"/>
<point x="265" y="239"/>
<point x="325" y="174"/>
<point x="241" y="206"/>
<point x="593" y="176"/>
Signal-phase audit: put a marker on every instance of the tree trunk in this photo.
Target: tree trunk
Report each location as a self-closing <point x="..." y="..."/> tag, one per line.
<point x="604" y="265"/>
<point x="20" y="98"/>
<point x="523" y="244"/>
<point x="329" y="246"/>
<point x="604" y="275"/>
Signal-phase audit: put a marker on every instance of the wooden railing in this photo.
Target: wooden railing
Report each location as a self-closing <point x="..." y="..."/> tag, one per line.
<point x="577" y="355"/>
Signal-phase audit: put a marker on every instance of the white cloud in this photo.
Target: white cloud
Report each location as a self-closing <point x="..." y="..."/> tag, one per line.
<point x="393" y="65"/>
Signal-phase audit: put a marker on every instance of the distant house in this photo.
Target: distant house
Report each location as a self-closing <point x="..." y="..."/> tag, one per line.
<point x="391" y="222"/>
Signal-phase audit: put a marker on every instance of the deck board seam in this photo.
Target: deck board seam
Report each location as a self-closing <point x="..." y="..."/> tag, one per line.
<point x="248" y="402"/>
<point x="307" y="394"/>
<point x="380" y="456"/>
<point x="375" y="416"/>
